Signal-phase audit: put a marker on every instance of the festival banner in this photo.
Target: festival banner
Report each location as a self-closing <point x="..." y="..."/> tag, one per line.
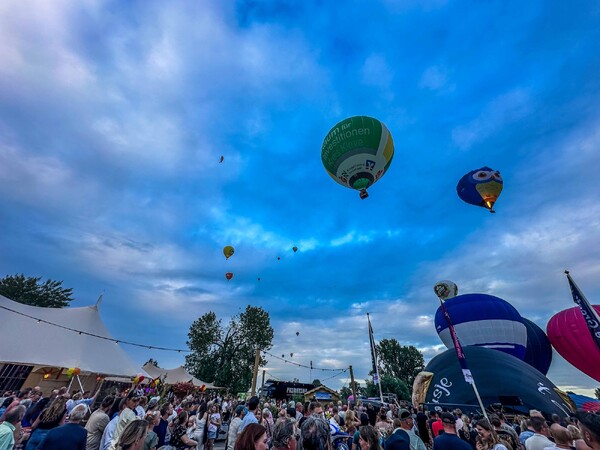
<point x="589" y="314"/>
<point x="462" y="360"/>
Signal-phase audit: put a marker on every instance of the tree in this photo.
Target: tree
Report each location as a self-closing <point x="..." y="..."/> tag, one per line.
<point x="31" y="291"/>
<point x="225" y="355"/>
<point x="389" y="384"/>
<point x="399" y="361"/>
<point x="346" y="391"/>
<point x="316" y="382"/>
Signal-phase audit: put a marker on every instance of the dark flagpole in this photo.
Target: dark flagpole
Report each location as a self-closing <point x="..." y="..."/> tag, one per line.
<point x="376" y="378"/>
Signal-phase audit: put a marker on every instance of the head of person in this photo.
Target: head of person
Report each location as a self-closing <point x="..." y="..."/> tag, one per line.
<point x="239" y="411"/>
<point x="448" y="422"/>
<point x="560" y="434"/>
<point x="284" y="435"/>
<point x="575" y="432"/>
<point x="253" y="403"/>
<point x="291" y="412"/>
<point x="55" y="412"/>
<point x="314" y="434"/>
<point x="253" y="437"/>
<point x="258" y="414"/>
<point x="214" y="408"/>
<point x="590" y="428"/>
<point x="15" y="415"/>
<point x="315" y="409"/>
<point x="153" y="418"/>
<point x="406" y="420"/>
<point x="300" y="407"/>
<point x="133" y="435"/>
<point x="107" y="403"/>
<point x="78" y="413"/>
<point x="133" y="399"/>
<point x="368" y="438"/>
<point x="495" y="421"/>
<point x="555" y="418"/>
<point x="266" y="413"/>
<point x="486" y="431"/>
<point x="364" y="419"/>
<point x="181" y="418"/>
<point x="539" y="425"/>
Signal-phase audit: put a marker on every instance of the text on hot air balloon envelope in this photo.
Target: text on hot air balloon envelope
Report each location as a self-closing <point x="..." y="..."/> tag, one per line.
<point x="441" y="389"/>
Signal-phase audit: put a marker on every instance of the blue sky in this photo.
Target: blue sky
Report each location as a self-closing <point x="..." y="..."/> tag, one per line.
<point x="113" y="117"/>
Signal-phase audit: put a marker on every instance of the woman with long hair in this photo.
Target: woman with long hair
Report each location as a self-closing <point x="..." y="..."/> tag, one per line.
<point x="53" y="416"/>
<point x="133" y="435"/>
<point x="488" y="439"/>
<point x="179" y="438"/>
<point x="201" y="434"/>
<point x="151" y="441"/>
<point x="369" y="438"/>
<point x="253" y="437"/>
<point x="267" y="422"/>
<point x="214" y="422"/>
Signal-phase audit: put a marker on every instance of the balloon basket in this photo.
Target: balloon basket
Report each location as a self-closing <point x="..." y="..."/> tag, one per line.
<point x="363" y="194"/>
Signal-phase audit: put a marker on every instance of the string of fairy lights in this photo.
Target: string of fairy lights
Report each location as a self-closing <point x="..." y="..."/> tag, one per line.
<point x="154" y="347"/>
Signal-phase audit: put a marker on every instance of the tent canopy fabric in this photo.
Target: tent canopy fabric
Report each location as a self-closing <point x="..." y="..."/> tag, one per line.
<point x="177" y="375"/>
<point x="26" y="341"/>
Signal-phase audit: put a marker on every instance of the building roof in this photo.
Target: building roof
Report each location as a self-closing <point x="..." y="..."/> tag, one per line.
<point x="26" y="341"/>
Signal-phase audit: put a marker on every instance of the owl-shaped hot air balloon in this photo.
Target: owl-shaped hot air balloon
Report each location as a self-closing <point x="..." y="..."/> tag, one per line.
<point x="357" y="152"/>
<point x="481" y="187"/>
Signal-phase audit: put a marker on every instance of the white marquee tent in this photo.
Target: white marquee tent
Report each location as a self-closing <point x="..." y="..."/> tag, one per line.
<point x="26" y="341"/>
<point x="177" y="375"/>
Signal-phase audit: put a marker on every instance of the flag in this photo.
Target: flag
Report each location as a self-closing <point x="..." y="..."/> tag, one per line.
<point x="373" y="353"/>
<point x="589" y="313"/>
<point x="462" y="360"/>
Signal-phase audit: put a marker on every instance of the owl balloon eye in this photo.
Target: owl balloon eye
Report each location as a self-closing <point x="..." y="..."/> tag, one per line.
<point x="482" y="175"/>
<point x="497" y="176"/>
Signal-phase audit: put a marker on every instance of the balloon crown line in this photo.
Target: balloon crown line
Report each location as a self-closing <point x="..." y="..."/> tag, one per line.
<point x="149" y="347"/>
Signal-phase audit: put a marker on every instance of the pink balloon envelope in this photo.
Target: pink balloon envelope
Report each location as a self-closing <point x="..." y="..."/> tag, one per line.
<point x="570" y="336"/>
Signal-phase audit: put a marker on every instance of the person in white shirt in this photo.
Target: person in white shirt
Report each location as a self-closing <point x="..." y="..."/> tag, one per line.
<point x="539" y="440"/>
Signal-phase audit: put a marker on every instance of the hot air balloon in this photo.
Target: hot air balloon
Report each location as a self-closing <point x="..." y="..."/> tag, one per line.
<point x="229" y="275"/>
<point x="481" y="187"/>
<point x="570" y="336"/>
<point x="283" y="356"/>
<point x="539" y="351"/>
<point x="445" y="289"/>
<point x="279" y="258"/>
<point x="297" y="333"/>
<point x="295" y="249"/>
<point x="357" y="152"/>
<point x="259" y="279"/>
<point x="291" y="355"/>
<point x="485" y="321"/>
<point x="228" y="251"/>
<point x="221" y="159"/>
<point x="500" y="378"/>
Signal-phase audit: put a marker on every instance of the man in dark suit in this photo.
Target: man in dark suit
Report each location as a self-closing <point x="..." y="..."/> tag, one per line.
<point x="71" y="435"/>
<point x="399" y="439"/>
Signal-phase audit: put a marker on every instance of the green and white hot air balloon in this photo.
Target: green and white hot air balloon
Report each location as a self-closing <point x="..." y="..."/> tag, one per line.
<point x="357" y="152"/>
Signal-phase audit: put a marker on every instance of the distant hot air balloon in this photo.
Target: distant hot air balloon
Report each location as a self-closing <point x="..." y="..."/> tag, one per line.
<point x="445" y="289"/>
<point x="283" y="356"/>
<point x="481" y="187"/>
<point x="485" y="321"/>
<point x="228" y="251"/>
<point x="221" y="159"/>
<point x="499" y="379"/>
<point x="295" y="249"/>
<point x="279" y="258"/>
<point x="539" y="351"/>
<point x="229" y="275"/>
<point x="291" y="355"/>
<point x="357" y="152"/>
<point x="570" y="336"/>
<point x="258" y="278"/>
<point x="297" y="333"/>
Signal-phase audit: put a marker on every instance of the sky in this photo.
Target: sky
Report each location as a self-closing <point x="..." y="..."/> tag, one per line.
<point x="114" y="116"/>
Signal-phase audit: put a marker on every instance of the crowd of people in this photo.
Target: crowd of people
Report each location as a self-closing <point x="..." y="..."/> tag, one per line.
<point x="132" y="421"/>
